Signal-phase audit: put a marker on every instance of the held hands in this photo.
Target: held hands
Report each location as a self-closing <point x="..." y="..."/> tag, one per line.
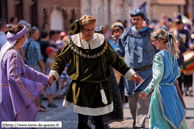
<point x="142" y="95"/>
<point x="136" y="78"/>
<point x="51" y="78"/>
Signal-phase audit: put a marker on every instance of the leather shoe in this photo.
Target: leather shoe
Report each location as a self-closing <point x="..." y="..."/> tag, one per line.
<point x="52" y="105"/>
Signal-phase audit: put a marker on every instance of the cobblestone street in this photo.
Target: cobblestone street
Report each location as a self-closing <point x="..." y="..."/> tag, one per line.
<point x="69" y="118"/>
<point x="97" y="54"/>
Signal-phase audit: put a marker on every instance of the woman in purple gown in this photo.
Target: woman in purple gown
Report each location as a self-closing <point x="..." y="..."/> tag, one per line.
<point x="19" y="84"/>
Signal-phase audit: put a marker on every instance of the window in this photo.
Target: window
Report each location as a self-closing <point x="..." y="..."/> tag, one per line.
<point x="3" y="9"/>
<point x="19" y="9"/>
<point x="34" y="14"/>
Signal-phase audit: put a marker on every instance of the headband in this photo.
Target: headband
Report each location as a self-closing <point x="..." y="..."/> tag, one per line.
<point x="160" y="36"/>
<point x="12" y="37"/>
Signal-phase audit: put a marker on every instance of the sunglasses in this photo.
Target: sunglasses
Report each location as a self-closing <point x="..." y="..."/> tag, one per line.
<point x="88" y="30"/>
<point x="153" y="40"/>
<point x="136" y="19"/>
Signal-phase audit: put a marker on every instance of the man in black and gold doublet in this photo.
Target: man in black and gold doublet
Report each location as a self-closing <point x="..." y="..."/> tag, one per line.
<point x="89" y="71"/>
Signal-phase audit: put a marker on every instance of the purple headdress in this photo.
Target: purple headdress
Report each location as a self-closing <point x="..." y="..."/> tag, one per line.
<point x="12" y="37"/>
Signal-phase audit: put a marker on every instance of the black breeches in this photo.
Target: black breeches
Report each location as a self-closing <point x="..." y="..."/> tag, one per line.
<point x="83" y="119"/>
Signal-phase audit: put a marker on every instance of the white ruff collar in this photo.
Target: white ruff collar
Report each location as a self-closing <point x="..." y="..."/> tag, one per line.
<point x="95" y="42"/>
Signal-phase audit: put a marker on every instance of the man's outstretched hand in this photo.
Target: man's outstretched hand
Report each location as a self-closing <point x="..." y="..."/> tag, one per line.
<point x="51" y="78"/>
<point x="136" y="78"/>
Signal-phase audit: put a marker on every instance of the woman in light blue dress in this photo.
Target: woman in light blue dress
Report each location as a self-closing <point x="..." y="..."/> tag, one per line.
<point x="166" y="109"/>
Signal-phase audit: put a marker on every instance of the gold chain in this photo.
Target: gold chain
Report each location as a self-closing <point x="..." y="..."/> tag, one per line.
<point x="87" y="56"/>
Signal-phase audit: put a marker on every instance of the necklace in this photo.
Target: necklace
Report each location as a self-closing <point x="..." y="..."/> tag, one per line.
<point x="88" y="56"/>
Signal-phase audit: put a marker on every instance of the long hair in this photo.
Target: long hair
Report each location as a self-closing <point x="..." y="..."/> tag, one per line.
<point x="164" y="39"/>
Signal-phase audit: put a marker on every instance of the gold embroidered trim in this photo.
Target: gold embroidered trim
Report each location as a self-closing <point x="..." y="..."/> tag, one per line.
<point x="5" y="85"/>
<point x="88" y="56"/>
<point x="17" y="79"/>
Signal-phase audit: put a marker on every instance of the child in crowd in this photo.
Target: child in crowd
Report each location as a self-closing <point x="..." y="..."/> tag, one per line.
<point x="51" y="52"/>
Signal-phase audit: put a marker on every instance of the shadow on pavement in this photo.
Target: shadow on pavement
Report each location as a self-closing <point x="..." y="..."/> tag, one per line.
<point x="189" y="117"/>
<point x="190" y="109"/>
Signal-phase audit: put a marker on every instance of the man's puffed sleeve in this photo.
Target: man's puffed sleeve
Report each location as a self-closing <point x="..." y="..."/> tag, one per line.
<point x="118" y="63"/>
<point x="60" y="61"/>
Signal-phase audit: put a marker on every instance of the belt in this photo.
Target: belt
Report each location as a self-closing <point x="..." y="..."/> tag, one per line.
<point x="143" y="68"/>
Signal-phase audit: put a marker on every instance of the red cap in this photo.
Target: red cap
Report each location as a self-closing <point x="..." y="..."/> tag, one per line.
<point x="50" y="49"/>
<point x="62" y="34"/>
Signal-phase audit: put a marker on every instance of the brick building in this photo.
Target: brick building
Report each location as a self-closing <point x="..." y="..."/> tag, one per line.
<point x="57" y="13"/>
<point x="110" y="11"/>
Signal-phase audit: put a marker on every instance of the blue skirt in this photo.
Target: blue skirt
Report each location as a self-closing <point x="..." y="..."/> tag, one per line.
<point x="167" y="111"/>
